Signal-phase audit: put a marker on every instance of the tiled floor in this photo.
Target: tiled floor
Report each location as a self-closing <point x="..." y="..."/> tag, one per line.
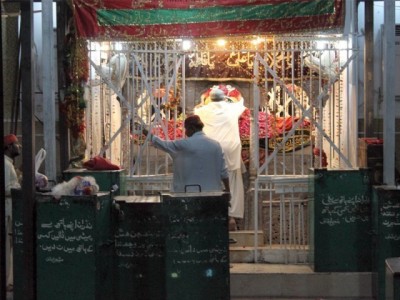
<point x="244" y="270"/>
<point x="296" y="282"/>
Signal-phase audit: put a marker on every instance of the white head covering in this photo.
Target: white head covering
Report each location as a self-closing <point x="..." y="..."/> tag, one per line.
<point x="217" y="95"/>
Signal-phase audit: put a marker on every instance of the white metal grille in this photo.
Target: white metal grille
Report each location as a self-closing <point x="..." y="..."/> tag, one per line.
<point x="300" y="116"/>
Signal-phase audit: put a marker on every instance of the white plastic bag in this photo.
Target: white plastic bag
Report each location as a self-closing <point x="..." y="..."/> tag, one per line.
<point x="77" y="186"/>
<point x="41" y="180"/>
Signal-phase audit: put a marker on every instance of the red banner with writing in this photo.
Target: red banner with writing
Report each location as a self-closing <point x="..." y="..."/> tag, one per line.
<point x="127" y="19"/>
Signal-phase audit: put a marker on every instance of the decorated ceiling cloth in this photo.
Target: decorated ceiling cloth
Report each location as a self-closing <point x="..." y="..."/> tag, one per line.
<point x="121" y="19"/>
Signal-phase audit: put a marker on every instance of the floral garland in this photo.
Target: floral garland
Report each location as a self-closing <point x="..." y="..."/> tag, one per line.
<point x="73" y="108"/>
<point x="76" y="67"/>
<point x="269" y="125"/>
<point x="173" y="99"/>
<point x="175" y="130"/>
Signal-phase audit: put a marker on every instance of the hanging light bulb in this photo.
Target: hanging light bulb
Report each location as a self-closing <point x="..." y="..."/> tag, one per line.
<point x="186" y="45"/>
<point x="221" y="42"/>
<point x="256" y="41"/>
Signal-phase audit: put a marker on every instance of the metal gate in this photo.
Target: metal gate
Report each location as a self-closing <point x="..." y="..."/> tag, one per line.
<point x="300" y="116"/>
<point x="132" y="85"/>
<point x="304" y="90"/>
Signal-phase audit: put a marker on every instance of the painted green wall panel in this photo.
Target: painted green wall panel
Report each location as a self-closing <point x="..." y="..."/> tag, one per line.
<point x="386" y="228"/>
<point x="341" y="212"/>
<point x="176" y="249"/>
<point x="74" y="247"/>
<point x="197" y="247"/>
<point x="140" y="251"/>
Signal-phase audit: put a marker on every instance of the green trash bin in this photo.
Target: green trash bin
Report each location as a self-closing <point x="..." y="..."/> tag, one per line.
<point x="176" y="249"/>
<point x="386" y="228"/>
<point x="74" y="247"/>
<point x="196" y="246"/>
<point x="140" y="248"/>
<point x="18" y="246"/>
<point x="341" y="227"/>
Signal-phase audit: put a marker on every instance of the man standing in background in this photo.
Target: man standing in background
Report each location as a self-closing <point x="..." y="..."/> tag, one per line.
<point x="12" y="149"/>
<point x="221" y="123"/>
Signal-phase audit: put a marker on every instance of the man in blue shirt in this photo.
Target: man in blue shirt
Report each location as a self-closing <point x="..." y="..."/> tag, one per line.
<point x="197" y="159"/>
